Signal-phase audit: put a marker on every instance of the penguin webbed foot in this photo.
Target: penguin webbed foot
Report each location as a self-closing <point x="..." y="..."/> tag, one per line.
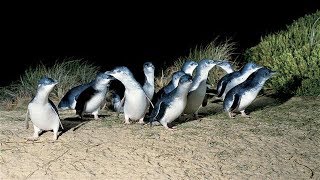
<point x="97" y="118"/>
<point x="165" y="125"/>
<point x="195" y="116"/>
<point x="141" y="121"/>
<point x="231" y="115"/>
<point x="243" y="114"/>
<point x="173" y="128"/>
<point x="127" y="121"/>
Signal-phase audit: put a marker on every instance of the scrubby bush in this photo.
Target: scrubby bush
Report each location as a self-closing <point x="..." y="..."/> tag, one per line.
<point x="68" y="73"/>
<point x="214" y="51"/>
<point x="295" y="54"/>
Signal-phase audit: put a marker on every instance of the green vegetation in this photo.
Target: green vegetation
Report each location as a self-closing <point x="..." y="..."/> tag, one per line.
<point x="214" y="50"/>
<point x="20" y="92"/>
<point x="295" y="54"/>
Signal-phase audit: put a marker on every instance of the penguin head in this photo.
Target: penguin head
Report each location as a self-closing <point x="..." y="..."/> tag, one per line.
<point x="225" y="65"/>
<point x="120" y="72"/>
<point x="46" y="84"/>
<point x="103" y="78"/>
<point x="206" y="64"/>
<point x="148" y="68"/>
<point x="265" y="73"/>
<point x="185" y="80"/>
<point x="176" y="77"/>
<point x="250" y="67"/>
<point x="189" y="66"/>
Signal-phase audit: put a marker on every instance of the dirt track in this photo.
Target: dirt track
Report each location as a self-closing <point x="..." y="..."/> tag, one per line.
<point x="214" y="148"/>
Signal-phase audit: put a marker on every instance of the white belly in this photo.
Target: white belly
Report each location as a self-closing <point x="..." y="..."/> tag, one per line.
<point x="43" y="116"/>
<point x="195" y="99"/>
<point x="95" y="103"/>
<point x="135" y="104"/>
<point x="246" y="99"/>
<point x="174" y="111"/>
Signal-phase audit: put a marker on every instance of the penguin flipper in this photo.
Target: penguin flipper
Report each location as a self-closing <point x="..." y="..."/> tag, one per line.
<point x="155" y="112"/>
<point x="223" y="88"/>
<point x="122" y="101"/>
<point x="158" y="111"/>
<point x="162" y="109"/>
<point x="53" y="106"/>
<point x="236" y="102"/>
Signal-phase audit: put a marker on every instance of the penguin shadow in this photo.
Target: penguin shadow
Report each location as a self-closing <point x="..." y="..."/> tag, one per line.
<point x="74" y="123"/>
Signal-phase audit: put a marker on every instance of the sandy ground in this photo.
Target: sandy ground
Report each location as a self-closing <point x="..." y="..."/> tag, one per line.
<point x="216" y="147"/>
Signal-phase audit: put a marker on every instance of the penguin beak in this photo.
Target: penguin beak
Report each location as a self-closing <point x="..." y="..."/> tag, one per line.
<point x="219" y="62"/>
<point x="111" y="77"/>
<point x="108" y="72"/>
<point x="55" y="82"/>
<point x="273" y="73"/>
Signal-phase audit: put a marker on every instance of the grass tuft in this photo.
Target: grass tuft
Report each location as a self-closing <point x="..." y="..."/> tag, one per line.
<point x="214" y="50"/>
<point x="69" y="73"/>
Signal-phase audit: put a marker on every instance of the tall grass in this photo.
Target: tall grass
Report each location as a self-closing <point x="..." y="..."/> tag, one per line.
<point x="69" y="73"/>
<point x="214" y="50"/>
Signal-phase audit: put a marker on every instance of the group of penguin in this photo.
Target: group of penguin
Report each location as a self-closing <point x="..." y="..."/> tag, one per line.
<point x="183" y="95"/>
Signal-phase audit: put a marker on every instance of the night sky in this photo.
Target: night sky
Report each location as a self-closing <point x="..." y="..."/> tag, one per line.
<point x="110" y="35"/>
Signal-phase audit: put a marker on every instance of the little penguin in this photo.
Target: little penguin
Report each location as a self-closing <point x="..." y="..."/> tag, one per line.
<point x="242" y="95"/>
<point x="231" y="80"/>
<point x="136" y="101"/>
<point x="116" y="102"/>
<point x="43" y="113"/>
<point x="148" y="86"/>
<point x="187" y="68"/>
<point x="69" y="100"/>
<point x="199" y="86"/>
<point x="92" y="98"/>
<point x="171" y="105"/>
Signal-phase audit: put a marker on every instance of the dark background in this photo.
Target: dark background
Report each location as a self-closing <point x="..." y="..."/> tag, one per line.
<point x="130" y="34"/>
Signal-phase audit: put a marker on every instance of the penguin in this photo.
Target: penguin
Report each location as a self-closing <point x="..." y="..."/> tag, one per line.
<point x="231" y="80"/>
<point x="242" y="95"/>
<point x="199" y="86"/>
<point x="69" y="100"/>
<point x="117" y="104"/>
<point x="136" y="101"/>
<point x="148" y="86"/>
<point x="42" y="111"/>
<point x="92" y="98"/>
<point x="171" y="105"/>
<point x="187" y="68"/>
